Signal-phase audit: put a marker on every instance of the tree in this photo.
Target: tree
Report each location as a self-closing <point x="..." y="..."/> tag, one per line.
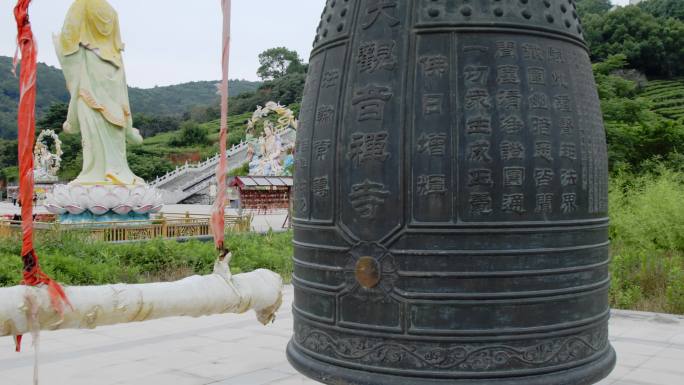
<point x="8" y="161"/>
<point x="191" y="134"/>
<point x="598" y="7"/>
<point x="287" y="89"/>
<point x="636" y="135"/>
<point x="72" y="160"/>
<point x="203" y="114"/>
<point x="150" y="125"/>
<point x="278" y="62"/>
<point x="651" y="45"/>
<point x="8" y="153"/>
<point x="664" y="8"/>
<point x="54" y="118"/>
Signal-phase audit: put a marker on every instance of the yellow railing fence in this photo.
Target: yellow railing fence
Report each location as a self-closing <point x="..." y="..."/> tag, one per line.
<point x="161" y="227"/>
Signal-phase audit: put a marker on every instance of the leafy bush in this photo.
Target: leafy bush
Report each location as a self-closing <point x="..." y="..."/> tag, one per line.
<point x="647" y="232"/>
<point x="242" y="171"/>
<point x="191" y="134"/>
<point x="147" y="163"/>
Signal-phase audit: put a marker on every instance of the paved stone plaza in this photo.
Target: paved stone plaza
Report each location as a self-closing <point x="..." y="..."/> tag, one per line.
<point x="236" y="350"/>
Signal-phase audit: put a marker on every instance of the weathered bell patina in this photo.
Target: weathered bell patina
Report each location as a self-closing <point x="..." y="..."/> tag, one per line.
<point x="450" y="210"/>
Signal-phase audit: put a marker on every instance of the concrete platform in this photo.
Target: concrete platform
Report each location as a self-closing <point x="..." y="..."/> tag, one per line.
<point x="236" y="350"/>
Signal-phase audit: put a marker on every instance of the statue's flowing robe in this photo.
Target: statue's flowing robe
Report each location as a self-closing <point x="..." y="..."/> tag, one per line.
<point x="99" y="109"/>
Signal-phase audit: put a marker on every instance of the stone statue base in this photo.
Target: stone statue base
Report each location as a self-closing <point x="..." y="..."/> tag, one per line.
<point x="77" y="203"/>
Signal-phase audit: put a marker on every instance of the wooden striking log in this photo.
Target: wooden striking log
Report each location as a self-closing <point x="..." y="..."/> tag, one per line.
<point x="95" y="306"/>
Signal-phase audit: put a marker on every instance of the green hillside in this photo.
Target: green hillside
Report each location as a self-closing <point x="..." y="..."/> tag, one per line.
<point x="667" y="97"/>
<point x="161" y="101"/>
<point x="51" y="90"/>
<point x="177" y="99"/>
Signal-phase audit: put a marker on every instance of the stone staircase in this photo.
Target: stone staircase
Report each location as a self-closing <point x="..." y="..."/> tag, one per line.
<point x="189" y="180"/>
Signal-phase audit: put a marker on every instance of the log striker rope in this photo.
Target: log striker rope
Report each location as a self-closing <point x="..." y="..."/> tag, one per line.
<point x="26" y="128"/>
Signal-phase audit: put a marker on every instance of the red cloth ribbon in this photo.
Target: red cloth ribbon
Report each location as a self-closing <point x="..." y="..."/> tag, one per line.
<point x="218" y="212"/>
<point x="33" y="275"/>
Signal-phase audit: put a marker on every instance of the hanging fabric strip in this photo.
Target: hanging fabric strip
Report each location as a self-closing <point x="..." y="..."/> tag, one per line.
<point x="218" y="213"/>
<point x="26" y="122"/>
<point x="26" y="128"/>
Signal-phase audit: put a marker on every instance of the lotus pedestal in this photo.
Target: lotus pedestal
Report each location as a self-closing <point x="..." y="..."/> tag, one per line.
<point x="76" y="203"/>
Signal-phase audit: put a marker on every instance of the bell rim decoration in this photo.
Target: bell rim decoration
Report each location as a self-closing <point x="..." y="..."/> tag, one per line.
<point x="327" y="373"/>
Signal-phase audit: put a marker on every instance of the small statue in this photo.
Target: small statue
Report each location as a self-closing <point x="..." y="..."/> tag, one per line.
<point x="268" y="161"/>
<point x="253" y="160"/>
<point x="46" y="164"/>
<point x="271" y="149"/>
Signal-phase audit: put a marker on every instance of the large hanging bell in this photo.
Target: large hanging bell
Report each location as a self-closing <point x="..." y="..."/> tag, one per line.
<point x="450" y="210"/>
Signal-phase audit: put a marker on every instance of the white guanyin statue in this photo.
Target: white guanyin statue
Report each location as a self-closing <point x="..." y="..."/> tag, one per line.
<point x="89" y="49"/>
<point x="46" y="164"/>
<point x="43" y="161"/>
<point x="269" y="161"/>
<point x="271" y="150"/>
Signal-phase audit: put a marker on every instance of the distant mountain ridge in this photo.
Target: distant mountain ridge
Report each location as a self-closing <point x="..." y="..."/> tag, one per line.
<point x="163" y="101"/>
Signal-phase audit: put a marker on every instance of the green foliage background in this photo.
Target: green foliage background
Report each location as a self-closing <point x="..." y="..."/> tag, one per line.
<point x="647" y="233"/>
<point x="74" y="260"/>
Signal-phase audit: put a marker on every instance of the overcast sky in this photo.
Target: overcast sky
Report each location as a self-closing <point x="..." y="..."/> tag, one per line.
<point x="175" y="41"/>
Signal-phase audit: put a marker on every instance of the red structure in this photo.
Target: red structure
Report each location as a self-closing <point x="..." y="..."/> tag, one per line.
<point x="263" y="193"/>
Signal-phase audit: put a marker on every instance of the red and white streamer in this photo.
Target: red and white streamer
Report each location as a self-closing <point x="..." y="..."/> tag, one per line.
<point x="218" y="214"/>
<point x="26" y="128"/>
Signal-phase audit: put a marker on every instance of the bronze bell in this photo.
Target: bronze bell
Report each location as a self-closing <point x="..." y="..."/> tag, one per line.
<point x="451" y="190"/>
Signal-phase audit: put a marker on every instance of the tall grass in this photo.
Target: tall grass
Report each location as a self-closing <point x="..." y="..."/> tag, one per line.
<point x="647" y="233"/>
<point x="71" y="258"/>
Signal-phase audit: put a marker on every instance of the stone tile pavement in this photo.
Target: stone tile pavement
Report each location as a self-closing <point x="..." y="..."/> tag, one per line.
<point x="236" y="350"/>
